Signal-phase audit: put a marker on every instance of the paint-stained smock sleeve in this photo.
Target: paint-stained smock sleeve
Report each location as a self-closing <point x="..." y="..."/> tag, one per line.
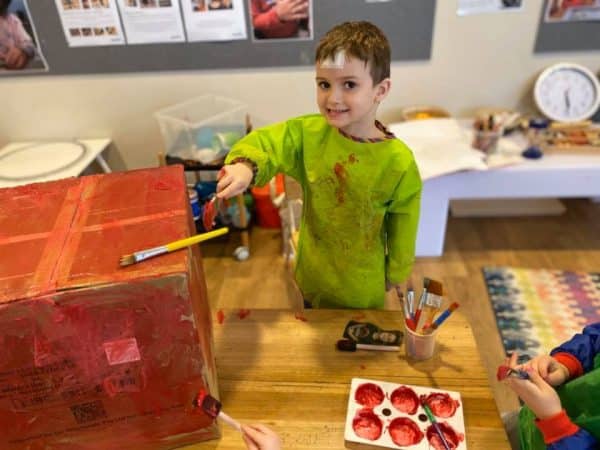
<point x="274" y="149"/>
<point x="402" y="220"/>
<point x="578" y="353"/>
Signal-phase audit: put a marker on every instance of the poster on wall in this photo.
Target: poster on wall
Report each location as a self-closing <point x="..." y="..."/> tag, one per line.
<point x="19" y="46"/>
<point x="285" y="19"/>
<point x="88" y="23"/>
<point x="572" y="11"/>
<point x="468" y="7"/>
<point x="214" y="20"/>
<point x="150" y="21"/>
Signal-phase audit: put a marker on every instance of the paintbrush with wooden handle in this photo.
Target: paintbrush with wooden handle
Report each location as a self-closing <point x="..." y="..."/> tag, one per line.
<point x="127" y="260"/>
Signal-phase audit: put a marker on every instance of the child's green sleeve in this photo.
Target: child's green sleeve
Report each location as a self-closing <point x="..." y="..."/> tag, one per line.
<point x="274" y="148"/>
<point x="402" y="221"/>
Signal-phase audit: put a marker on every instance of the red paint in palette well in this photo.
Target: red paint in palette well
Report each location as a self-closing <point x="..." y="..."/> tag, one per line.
<point x="369" y="395"/>
<point x="441" y="404"/>
<point x="367" y="425"/>
<point x="405" y="432"/>
<point x="405" y="400"/>
<point x="453" y="437"/>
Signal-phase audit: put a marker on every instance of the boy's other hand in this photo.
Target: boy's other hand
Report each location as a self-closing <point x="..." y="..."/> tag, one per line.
<point x="234" y="179"/>
<point x="541" y="398"/>
<point x="549" y="369"/>
<point x="260" y="437"/>
<point x="289" y="10"/>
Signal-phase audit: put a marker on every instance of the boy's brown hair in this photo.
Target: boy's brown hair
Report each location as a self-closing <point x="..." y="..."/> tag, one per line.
<point x="361" y="40"/>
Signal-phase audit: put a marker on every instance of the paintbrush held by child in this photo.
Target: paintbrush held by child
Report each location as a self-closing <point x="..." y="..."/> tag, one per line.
<point x="570" y="418"/>
<point x="361" y="185"/>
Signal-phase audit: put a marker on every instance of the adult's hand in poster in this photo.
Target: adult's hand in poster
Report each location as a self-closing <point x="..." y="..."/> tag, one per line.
<point x="15" y="58"/>
<point x="289" y="10"/>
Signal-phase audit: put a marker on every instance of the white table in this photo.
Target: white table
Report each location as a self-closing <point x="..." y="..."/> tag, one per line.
<point x="554" y="175"/>
<point x="17" y="169"/>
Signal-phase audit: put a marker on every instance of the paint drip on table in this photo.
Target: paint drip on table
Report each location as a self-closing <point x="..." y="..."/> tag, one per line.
<point x="392" y="416"/>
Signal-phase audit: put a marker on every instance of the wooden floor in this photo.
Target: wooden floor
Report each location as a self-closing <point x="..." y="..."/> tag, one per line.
<point x="570" y="241"/>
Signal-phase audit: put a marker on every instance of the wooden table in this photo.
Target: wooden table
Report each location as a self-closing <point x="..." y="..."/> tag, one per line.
<point x="286" y="373"/>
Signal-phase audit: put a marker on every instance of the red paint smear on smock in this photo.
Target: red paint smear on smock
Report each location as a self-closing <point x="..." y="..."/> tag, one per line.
<point x="405" y="432"/>
<point x="453" y="438"/>
<point x="367" y="425"/>
<point x="340" y="174"/>
<point x="243" y="313"/>
<point x="220" y="317"/>
<point x="405" y="400"/>
<point x="441" y="405"/>
<point x="369" y="395"/>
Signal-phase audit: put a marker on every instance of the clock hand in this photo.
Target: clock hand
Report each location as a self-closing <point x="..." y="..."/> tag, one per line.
<point x="567" y="100"/>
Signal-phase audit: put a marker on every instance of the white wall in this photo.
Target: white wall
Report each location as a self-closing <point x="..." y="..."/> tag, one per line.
<point x="482" y="60"/>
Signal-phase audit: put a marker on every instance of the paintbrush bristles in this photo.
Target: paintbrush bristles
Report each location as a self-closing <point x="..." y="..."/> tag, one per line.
<point x="126" y="260"/>
<point x="435" y="287"/>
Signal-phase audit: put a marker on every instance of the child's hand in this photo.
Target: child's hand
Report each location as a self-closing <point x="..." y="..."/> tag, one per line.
<point x="259" y="437"/>
<point x="15" y="58"/>
<point x="234" y="179"/>
<point x="549" y="369"/>
<point x="541" y="398"/>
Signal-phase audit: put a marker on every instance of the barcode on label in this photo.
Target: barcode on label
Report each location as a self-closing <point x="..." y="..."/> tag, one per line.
<point x="88" y="412"/>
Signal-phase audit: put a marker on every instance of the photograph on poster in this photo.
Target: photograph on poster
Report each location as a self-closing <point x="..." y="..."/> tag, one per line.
<point x="281" y="19"/>
<point x="151" y="21"/>
<point x="19" y="48"/>
<point x="469" y="7"/>
<point x="214" y="20"/>
<point x="572" y="10"/>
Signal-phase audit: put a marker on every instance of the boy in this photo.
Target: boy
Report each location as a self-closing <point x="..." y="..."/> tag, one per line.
<point x="361" y="185"/>
<point x="566" y="362"/>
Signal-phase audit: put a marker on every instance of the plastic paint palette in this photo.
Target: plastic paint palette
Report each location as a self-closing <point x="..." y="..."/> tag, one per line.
<point x="390" y="415"/>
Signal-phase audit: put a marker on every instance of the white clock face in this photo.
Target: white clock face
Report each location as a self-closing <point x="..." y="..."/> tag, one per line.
<point x="567" y="93"/>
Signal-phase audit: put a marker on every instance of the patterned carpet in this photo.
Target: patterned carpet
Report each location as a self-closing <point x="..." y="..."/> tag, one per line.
<point x="538" y="309"/>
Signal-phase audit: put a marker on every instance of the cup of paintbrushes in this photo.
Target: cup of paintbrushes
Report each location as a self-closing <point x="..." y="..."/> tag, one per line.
<point x="419" y="346"/>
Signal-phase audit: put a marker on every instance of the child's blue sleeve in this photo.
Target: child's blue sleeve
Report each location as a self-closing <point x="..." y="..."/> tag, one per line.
<point x="582" y="440"/>
<point x="584" y="346"/>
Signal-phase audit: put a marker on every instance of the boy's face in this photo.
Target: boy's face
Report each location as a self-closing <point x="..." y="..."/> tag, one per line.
<point x="347" y="97"/>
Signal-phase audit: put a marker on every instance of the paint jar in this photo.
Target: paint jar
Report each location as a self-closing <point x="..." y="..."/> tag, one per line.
<point x="419" y="346"/>
<point x="487" y="141"/>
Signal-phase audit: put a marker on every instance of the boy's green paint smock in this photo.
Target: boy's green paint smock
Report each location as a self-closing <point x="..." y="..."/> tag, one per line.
<point x="358" y="198"/>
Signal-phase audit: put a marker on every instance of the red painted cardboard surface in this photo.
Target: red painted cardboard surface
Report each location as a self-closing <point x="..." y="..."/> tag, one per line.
<point x="94" y="356"/>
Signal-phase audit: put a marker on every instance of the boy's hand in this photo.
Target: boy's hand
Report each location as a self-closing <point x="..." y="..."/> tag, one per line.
<point x="289" y="10"/>
<point x="259" y="437"/>
<point x="15" y="58"/>
<point x="549" y="369"/>
<point x="541" y="398"/>
<point x="234" y="179"/>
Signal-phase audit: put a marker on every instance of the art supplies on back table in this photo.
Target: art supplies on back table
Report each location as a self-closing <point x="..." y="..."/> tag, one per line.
<point x="400" y="416"/>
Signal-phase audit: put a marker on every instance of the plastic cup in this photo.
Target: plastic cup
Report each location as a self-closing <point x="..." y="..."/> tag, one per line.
<point x="487" y="141"/>
<point x="419" y="346"/>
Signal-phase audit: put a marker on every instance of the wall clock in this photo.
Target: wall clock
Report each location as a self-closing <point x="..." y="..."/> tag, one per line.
<point x="567" y="92"/>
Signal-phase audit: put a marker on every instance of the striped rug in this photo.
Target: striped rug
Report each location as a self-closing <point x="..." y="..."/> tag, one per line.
<point x="536" y="310"/>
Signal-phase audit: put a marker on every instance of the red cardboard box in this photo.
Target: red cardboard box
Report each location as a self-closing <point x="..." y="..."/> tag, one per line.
<point x="92" y="355"/>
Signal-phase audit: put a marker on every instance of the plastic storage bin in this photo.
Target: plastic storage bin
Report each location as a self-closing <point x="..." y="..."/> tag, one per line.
<point x="202" y="129"/>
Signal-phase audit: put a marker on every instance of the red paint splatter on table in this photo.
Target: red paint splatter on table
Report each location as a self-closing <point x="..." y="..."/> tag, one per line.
<point x="405" y="432"/>
<point x="243" y="313"/>
<point x="359" y="316"/>
<point x="300" y="316"/>
<point x="453" y="437"/>
<point x="367" y="425"/>
<point x="441" y="405"/>
<point x="405" y="400"/>
<point x="363" y="367"/>
<point x="369" y="395"/>
<point x="220" y="317"/>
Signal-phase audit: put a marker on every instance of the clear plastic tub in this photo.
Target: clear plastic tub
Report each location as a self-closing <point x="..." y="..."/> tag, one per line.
<point x="202" y="129"/>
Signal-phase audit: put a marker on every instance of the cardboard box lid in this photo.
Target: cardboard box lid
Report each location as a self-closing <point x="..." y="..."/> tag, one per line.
<point x="71" y="233"/>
